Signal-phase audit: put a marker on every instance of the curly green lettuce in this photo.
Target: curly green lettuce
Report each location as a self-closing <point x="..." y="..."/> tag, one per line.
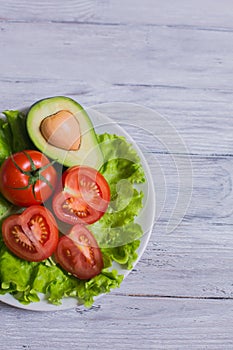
<point x="16" y="132"/>
<point x="24" y="280"/>
<point x="121" y="160"/>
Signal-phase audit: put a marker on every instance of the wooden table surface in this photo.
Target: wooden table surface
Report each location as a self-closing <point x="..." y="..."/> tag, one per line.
<point x="175" y="57"/>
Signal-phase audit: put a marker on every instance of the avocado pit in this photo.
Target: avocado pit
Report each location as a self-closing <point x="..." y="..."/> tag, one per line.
<point x="62" y="130"/>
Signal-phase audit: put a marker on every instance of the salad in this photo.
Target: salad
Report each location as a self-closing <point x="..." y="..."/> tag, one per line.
<point x="68" y="204"/>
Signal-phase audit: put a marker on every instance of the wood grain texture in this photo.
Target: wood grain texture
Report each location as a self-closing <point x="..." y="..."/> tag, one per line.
<point x="195" y="15"/>
<point x="50" y="10"/>
<point x="176" y="58"/>
<point x="166" y="324"/>
<point x="184" y="75"/>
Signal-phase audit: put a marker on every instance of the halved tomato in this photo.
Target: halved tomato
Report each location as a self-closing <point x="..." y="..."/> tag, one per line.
<point x="79" y="254"/>
<point x="32" y="235"/>
<point x="84" y="198"/>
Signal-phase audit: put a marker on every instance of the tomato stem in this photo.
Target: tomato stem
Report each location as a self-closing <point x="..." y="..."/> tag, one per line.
<point x="30" y="160"/>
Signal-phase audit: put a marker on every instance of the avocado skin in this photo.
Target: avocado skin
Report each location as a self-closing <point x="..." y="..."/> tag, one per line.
<point x="89" y="152"/>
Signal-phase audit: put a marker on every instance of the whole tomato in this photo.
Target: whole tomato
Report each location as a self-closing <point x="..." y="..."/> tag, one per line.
<point x="27" y="178"/>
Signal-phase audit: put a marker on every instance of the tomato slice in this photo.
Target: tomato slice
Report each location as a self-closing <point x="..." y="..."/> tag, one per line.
<point x="32" y="235"/>
<point x="79" y="254"/>
<point x="85" y="196"/>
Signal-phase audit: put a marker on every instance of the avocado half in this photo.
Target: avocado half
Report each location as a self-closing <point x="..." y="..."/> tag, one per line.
<point x="88" y="151"/>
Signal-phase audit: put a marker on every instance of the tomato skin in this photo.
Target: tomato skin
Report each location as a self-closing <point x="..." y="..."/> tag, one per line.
<point x="84" y="198"/>
<point x="32" y="235"/>
<point x="14" y="184"/>
<point x="79" y="254"/>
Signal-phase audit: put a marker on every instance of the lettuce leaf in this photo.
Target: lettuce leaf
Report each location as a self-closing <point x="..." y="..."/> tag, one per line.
<point x="5" y="141"/>
<point x="116" y="232"/>
<point x="101" y="284"/>
<point x="17" y="125"/>
<point x="124" y="255"/>
<point x="121" y="159"/>
<point x="13" y="134"/>
<point x="5" y="207"/>
<point x="24" y="280"/>
<point x="15" y="276"/>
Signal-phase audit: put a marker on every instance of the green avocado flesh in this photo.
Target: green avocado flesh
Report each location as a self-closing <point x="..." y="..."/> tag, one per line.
<point x="88" y="153"/>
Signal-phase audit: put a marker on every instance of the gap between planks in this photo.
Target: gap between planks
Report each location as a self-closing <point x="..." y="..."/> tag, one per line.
<point x="118" y="24"/>
<point x="160" y="296"/>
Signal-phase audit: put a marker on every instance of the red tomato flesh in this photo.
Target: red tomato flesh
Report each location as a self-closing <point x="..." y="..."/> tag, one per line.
<point x="79" y="254"/>
<point x="84" y="198"/>
<point x="32" y="235"/>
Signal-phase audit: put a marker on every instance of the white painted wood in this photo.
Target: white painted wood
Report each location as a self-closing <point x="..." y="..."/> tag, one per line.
<point x="128" y="12"/>
<point x="39" y="11"/>
<point x="195" y="261"/>
<point x="185" y="75"/>
<point x="123" y="323"/>
<point x="174" y="57"/>
<point x="167" y="13"/>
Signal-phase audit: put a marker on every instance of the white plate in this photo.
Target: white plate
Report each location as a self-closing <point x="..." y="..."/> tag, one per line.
<point x="146" y="218"/>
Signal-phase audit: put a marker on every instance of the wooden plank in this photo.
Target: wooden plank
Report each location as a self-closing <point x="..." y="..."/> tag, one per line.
<point x="195" y="260"/>
<point x="62" y="60"/>
<point x="136" y="323"/>
<point x="176" y="61"/>
<point x="211" y="192"/>
<point x="50" y="10"/>
<point x="181" y="13"/>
